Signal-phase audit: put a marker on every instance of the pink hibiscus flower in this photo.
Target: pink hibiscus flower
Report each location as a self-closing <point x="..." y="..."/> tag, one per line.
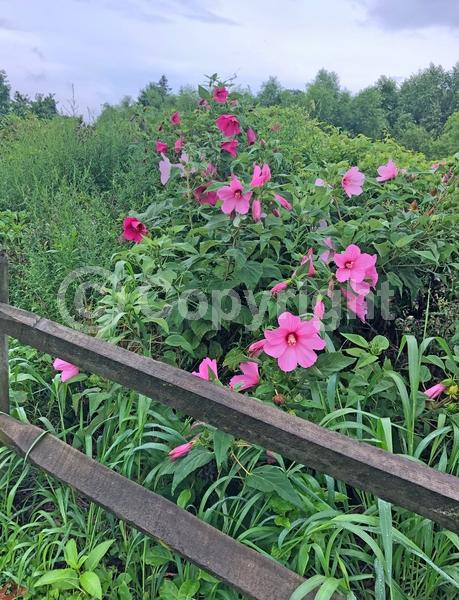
<point x="202" y="103"/>
<point x="283" y="202"/>
<point x="210" y="170"/>
<point x="178" y="146"/>
<point x="228" y="125"/>
<point x="207" y="369"/>
<point x="356" y="304"/>
<point x="256" y="211"/>
<point x="234" y="198"/>
<point x="202" y="196"/>
<point x="387" y="172"/>
<point x="293" y="343"/>
<point x="175" y="118"/>
<point x="309" y="257"/>
<point x="251" y="136"/>
<point x="435" y="391"/>
<point x="278" y="288"/>
<point x="180" y="451"/>
<point x="352" y="182"/>
<point x="230" y="147"/>
<point x="256" y="348"/>
<point x="319" y="182"/>
<point x="165" y="167"/>
<point x="67" y="369"/>
<point x="328" y="255"/>
<point x="160" y="146"/>
<point x="260" y="175"/>
<point x="249" y="379"/>
<point x="220" y="94"/>
<point x="134" y="230"/>
<point x="353" y="264"/>
<point x="319" y="308"/>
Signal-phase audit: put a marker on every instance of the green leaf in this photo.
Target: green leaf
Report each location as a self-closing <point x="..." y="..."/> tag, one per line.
<point x="178" y="341"/>
<point x="90" y="582"/>
<point x="198" y="457"/>
<point x="96" y="555"/>
<point x="332" y="362"/>
<point x="188" y="589"/>
<point x="204" y="93"/>
<point x="184" y="498"/>
<point x="158" y="556"/>
<point x="71" y="554"/>
<point x="222" y="443"/>
<point x="272" y="479"/>
<point x="58" y="576"/>
<point x="250" y="274"/>
<point x="378" y="344"/>
<point x="168" y="591"/>
<point x="358" y="340"/>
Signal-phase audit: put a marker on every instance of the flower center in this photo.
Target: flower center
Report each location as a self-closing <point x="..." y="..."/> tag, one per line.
<point x="238" y="194"/>
<point x="291" y="339"/>
<point x="349" y="264"/>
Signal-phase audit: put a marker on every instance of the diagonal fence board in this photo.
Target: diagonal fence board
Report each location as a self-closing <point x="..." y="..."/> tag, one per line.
<point x="396" y="479"/>
<point x="255" y="575"/>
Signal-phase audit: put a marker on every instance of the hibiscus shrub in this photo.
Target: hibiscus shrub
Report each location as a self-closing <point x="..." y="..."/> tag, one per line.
<point x="268" y="253"/>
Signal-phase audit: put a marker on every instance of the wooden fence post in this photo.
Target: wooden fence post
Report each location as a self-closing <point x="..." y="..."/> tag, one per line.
<point x="4" y="379"/>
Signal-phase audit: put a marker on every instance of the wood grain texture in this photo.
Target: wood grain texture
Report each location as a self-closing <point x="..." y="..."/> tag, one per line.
<point x="253" y="574"/>
<point x="393" y="478"/>
<point x="4" y="381"/>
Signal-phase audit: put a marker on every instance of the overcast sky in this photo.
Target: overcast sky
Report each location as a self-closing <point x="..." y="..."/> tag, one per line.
<point x="111" y="48"/>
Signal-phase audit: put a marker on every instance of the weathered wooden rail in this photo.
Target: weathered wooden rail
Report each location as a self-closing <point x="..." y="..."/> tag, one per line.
<point x="396" y="479"/>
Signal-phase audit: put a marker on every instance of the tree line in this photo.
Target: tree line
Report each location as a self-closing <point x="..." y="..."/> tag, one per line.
<point x="421" y="112"/>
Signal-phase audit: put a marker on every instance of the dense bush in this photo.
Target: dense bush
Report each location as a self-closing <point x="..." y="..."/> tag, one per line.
<point x="70" y="190"/>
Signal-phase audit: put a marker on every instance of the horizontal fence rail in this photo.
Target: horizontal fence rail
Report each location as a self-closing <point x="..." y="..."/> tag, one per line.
<point x="396" y="479"/>
<point x="255" y="575"/>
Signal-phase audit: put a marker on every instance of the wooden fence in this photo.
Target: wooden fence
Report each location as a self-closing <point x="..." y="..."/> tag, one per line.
<point x="396" y="479"/>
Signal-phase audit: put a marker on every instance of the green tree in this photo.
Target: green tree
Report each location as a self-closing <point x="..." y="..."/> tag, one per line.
<point x="270" y="92"/>
<point x="430" y="97"/>
<point x="448" y="142"/>
<point x="5" y="90"/>
<point x="389" y="95"/>
<point x="367" y="114"/>
<point x="44" y="107"/>
<point x="325" y="100"/>
<point x="21" y="104"/>
<point x="155" y="95"/>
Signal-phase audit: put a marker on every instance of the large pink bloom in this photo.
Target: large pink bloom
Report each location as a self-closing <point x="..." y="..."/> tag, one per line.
<point x="180" y="451"/>
<point x="293" y="343"/>
<point x="435" y="391"/>
<point x="260" y="175"/>
<point x="202" y="196"/>
<point x="67" y="369"/>
<point x="228" y="125"/>
<point x="249" y="379"/>
<point x="134" y="230"/>
<point x="251" y="136"/>
<point x="352" y="182"/>
<point x="230" y="147"/>
<point x="234" y="198"/>
<point x="207" y="366"/>
<point x="220" y="94"/>
<point x="387" y="172"/>
<point x="353" y="264"/>
<point x="160" y="146"/>
<point x="175" y="118"/>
